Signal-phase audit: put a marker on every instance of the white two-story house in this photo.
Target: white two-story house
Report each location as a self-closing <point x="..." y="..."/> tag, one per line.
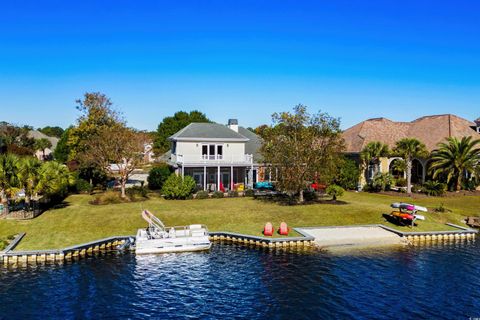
<point x="218" y="157"/>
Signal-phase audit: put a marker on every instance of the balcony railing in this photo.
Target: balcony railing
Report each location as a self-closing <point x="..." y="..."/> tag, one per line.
<point x="213" y="159"/>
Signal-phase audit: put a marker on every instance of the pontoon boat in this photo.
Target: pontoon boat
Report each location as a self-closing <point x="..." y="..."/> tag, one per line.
<point x="157" y="238"/>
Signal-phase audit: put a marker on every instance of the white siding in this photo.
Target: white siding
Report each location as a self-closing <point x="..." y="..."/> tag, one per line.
<point x="191" y="152"/>
<point x="195" y="148"/>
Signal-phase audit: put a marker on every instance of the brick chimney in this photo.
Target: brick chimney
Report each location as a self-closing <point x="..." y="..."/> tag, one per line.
<point x="233" y="124"/>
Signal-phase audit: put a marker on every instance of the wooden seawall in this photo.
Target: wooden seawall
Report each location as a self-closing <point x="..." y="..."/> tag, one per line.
<point x="230" y="237"/>
<point x="462" y="233"/>
<point x="8" y="256"/>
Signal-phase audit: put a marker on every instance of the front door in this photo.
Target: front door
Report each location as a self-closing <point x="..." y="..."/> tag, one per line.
<point x="226" y="180"/>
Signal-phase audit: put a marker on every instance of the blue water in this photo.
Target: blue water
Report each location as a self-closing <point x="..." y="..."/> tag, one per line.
<point x="234" y="282"/>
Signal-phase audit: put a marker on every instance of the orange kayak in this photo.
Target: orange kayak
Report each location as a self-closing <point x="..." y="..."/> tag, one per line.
<point x="403" y="215"/>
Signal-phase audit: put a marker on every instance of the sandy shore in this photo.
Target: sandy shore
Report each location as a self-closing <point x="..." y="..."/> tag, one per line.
<point x="352" y="236"/>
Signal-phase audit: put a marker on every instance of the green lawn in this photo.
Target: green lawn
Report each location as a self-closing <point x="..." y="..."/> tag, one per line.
<point x="80" y="222"/>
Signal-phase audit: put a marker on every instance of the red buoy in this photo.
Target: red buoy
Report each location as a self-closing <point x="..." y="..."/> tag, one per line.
<point x="283" y="229"/>
<point x="268" y="229"/>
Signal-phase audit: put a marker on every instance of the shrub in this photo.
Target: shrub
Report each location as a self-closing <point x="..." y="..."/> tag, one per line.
<point x="470" y="185"/>
<point x="158" y="176"/>
<point x="82" y="186"/>
<point x="348" y="174"/>
<point x="417" y="188"/>
<point x="136" y="192"/>
<point x="441" y="208"/>
<point x="434" y="188"/>
<point x="249" y="193"/>
<point x="309" y="195"/>
<point x="382" y="181"/>
<point x="202" y="195"/>
<point x="335" y="191"/>
<point x="401" y="182"/>
<point x="108" y="197"/>
<point x="217" y="194"/>
<point x="176" y="187"/>
<point x="232" y="194"/>
<point x="368" y="188"/>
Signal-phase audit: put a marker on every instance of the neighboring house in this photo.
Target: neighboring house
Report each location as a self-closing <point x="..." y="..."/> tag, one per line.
<point x="148" y="155"/>
<point x="218" y="157"/>
<point x="35" y="134"/>
<point x="430" y="130"/>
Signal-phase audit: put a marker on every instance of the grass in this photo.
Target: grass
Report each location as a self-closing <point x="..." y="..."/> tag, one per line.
<point x="80" y="221"/>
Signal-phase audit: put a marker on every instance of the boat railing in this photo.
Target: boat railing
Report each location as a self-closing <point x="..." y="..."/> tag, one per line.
<point x="153" y="222"/>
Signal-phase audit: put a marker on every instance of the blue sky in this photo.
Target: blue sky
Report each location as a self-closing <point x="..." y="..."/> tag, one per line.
<point x="241" y="59"/>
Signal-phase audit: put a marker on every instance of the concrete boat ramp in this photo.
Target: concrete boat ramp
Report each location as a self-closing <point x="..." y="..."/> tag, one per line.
<point x="352" y="236"/>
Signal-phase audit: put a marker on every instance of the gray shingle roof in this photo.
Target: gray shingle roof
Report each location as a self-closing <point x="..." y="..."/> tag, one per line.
<point x="252" y="146"/>
<point x="207" y="131"/>
<point x="35" y="134"/>
<point x="215" y="131"/>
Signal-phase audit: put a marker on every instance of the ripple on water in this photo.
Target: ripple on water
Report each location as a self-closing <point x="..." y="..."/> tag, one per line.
<point x="436" y="281"/>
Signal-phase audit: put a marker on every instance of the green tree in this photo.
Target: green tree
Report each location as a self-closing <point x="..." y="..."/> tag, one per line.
<point x="260" y="130"/>
<point x="334" y="191"/>
<point x="382" y="181"/>
<point x="42" y="144"/>
<point x="157" y="176"/>
<point x="27" y="173"/>
<point x="62" y="150"/>
<point x="455" y="159"/>
<point x="408" y="149"/>
<point x="370" y="156"/>
<point x="8" y="178"/>
<point x="348" y="174"/>
<point x="96" y="113"/>
<point x="177" y="187"/>
<point x="171" y="125"/>
<point x="51" y="131"/>
<point x="302" y="148"/>
<point x="16" y="139"/>
<point x="54" y="179"/>
<point x="117" y="149"/>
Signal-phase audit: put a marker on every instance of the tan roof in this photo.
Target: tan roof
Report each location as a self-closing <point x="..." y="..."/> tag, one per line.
<point x="430" y="130"/>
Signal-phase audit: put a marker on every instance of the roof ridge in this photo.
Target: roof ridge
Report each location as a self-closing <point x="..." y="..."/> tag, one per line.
<point x="182" y="130"/>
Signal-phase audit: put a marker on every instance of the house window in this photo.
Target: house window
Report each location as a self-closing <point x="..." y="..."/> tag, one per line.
<point x="211" y="150"/>
<point x="174" y="147"/>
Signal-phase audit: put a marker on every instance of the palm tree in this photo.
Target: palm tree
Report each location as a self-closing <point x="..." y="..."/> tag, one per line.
<point x="372" y="153"/>
<point x="409" y="148"/>
<point x="53" y="178"/>
<point x="8" y="178"/>
<point x="28" y="168"/>
<point x="455" y="159"/>
<point x="42" y="144"/>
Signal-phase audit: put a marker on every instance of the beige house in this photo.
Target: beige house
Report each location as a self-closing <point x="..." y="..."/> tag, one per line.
<point x="35" y="134"/>
<point x="430" y="130"/>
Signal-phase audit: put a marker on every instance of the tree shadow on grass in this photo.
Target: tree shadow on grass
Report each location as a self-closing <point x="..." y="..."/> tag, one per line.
<point x="59" y="205"/>
<point x="286" y="200"/>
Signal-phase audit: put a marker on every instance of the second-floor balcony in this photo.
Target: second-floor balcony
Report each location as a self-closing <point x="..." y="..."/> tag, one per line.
<point x="193" y="159"/>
